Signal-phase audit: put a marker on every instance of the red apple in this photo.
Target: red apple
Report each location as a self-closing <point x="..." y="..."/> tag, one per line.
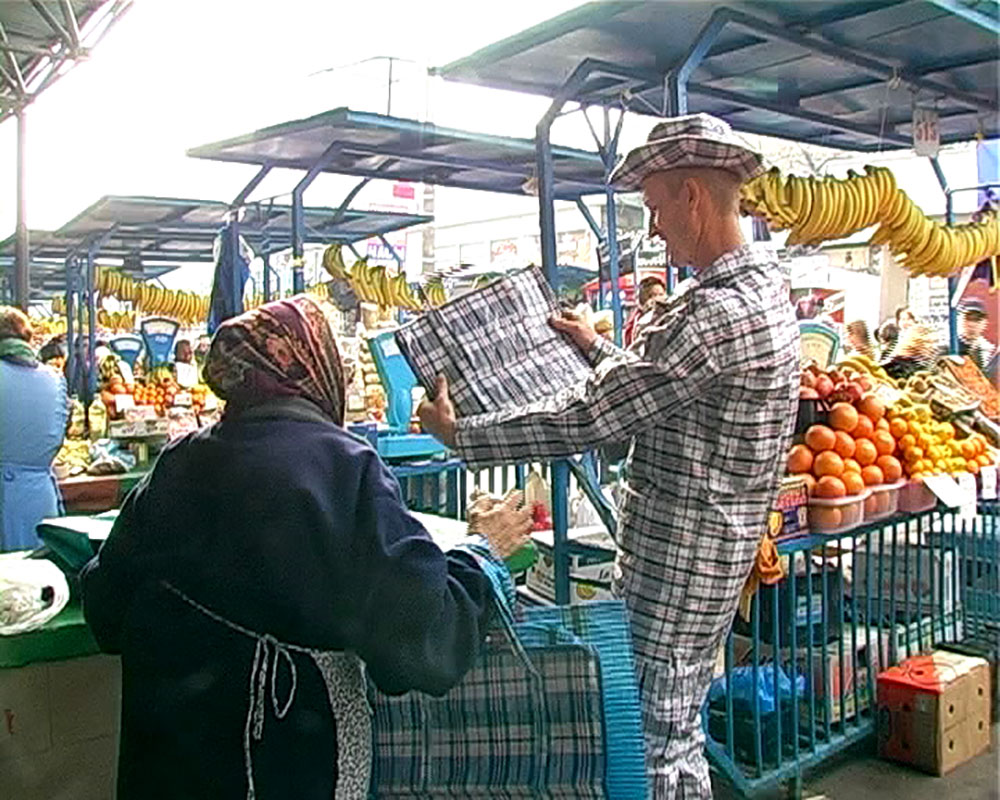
<point x="808" y="379"/>
<point x="865" y="383"/>
<point x="824" y="386"/>
<point x="808" y="393"/>
<point x="836" y="376"/>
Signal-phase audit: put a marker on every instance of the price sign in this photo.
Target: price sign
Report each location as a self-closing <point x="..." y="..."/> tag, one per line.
<point x="967" y="485"/>
<point x="946" y="489"/>
<point x="926" y="132"/>
<point x="988" y="475"/>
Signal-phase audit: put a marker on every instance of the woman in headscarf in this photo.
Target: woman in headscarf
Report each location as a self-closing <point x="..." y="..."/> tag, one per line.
<point x="33" y="417"/>
<point x="262" y="567"/>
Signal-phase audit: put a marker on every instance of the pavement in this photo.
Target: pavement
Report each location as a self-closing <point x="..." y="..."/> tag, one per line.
<point x="858" y="774"/>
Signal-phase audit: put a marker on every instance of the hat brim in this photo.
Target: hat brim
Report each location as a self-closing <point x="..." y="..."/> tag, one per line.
<point x="676" y="153"/>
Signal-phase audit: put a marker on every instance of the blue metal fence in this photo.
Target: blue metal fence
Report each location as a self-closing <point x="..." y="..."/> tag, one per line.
<point x="797" y="680"/>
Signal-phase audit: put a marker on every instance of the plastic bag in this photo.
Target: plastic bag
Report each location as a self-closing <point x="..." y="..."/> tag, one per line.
<point x="743" y="686"/>
<point x="32" y="591"/>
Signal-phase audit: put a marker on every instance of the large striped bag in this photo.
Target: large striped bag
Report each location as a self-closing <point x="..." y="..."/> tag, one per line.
<point x="550" y="710"/>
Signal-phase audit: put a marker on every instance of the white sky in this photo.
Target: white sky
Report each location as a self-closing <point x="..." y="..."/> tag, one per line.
<point x="179" y="73"/>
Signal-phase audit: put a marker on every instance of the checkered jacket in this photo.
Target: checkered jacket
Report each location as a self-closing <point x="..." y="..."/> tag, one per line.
<point x="708" y="396"/>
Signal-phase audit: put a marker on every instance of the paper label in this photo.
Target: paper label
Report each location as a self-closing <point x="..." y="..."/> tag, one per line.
<point x="926" y="132"/>
<point x="946" y="489"/>
<point x="988" y="475"/>
<point x="123" y="402"/>
<point x="967" y="486"/>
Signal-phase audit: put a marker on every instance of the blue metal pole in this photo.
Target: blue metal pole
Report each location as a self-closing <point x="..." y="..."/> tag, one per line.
<point x="235" y="288"/>
<point x="241" y="198"/>
<point x="91" y="372"/>
<point x="70" y="310"/>
<point x="612" y="233"/>
<point x="298" y="235"/>
<point x="266" y="258"/>
<point x="560" y="529"/>
<point x="392" y="251"/>
<point x="546" y="204"/>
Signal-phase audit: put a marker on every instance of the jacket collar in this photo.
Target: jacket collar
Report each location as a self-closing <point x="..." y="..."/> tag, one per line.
<point x="294" y="408"/>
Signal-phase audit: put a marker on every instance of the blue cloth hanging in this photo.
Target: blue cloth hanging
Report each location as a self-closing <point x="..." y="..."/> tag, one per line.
<point x="232" y="271"/>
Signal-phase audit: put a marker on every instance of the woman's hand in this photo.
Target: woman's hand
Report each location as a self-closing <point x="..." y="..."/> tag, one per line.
<point x="504" y="523"/>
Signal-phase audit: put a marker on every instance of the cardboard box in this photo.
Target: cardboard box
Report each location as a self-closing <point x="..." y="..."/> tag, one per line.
<point x="589" y="571"/>
<point x="934" y="711"/>
<point x="925" y="566"/>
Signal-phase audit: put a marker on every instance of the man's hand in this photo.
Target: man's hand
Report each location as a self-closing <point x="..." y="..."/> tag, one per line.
<point x="437" y="417"/>
<point x="579" y="331"/>
<point x="504" y="523"/>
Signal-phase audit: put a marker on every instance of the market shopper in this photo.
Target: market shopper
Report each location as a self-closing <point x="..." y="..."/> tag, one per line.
<point x="859" y="340"/>
<point x="651" y="289"/>
<point x="971" y="327"/>
<point x="247" y="570"/>
<point x="33" y="415"/>
<point x="708" y="395"/>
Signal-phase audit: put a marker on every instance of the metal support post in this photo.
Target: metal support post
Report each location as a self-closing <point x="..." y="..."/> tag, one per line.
<point x="234" y="240"/>
<point x="70" y="311"/>
<point x="560" y="529"/>
<point x="266" y="258"/>
<point x="354" y="250"/>
<point x="546" y="205"/>
<point x="91" y="299"/>
<point x="601" y="239"/>
<point x="678" y="78"/>
<point x="241" y="198"/>
<point x="392" y="252"/>
<point x="298" y="221"/>
<point x="22" y="279"/>
<point x="611" y="212"/>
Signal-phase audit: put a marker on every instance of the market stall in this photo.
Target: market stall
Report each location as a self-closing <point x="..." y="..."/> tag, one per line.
<point x="848" y="76"/>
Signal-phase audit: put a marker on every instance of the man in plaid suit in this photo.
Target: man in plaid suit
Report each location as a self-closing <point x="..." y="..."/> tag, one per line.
<point x="708" y="397"/>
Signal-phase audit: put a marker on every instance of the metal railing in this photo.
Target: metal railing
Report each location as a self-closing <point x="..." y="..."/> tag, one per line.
<point x="797" y="680"/>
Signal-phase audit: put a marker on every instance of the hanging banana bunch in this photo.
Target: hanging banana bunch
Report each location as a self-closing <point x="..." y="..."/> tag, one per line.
<point x="821" y="209"/>
<point x="333" y="261"/>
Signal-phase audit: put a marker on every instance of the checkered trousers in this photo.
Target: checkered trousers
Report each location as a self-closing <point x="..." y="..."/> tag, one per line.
<point x="494" y="345"/>
<point x="501" y="733"/>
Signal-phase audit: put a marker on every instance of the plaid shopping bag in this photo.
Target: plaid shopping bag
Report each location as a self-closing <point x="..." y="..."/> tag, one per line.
<point x="495" y="346"/>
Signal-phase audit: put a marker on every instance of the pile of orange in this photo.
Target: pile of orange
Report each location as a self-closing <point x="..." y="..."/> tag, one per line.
<point x="854" y="451"/>
<point x="928" y="446"/>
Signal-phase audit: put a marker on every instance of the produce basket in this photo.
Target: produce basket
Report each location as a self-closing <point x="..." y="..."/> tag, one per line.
<point x="837" y="515"/>
<point x="884" y="501"/>
<point x="914" y="498"/>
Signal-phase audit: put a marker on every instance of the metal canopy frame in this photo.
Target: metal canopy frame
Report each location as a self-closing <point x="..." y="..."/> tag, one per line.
<point x="40" y="41"/>
<point x="742" y="61"/>
<point x="154" y="235"/>
<point x="368" y="146"/>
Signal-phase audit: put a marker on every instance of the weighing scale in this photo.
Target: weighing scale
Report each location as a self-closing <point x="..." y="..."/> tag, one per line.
<point x="395" y="440"/>
<point x="128" y="348"/>
<point x="159" y="333"/>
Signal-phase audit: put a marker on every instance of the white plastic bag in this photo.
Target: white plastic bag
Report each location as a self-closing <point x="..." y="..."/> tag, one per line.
<point x="32" y="591"/>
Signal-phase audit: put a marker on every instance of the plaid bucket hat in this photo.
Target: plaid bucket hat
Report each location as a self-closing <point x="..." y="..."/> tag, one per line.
<point x="696" y="140"/>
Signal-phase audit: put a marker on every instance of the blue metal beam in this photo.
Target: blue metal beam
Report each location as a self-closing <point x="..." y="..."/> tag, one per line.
<point x="298" y="223"/>
<point x="342" y="209"/>
<point x="960" y="9"/>
<point x="585" y="212"/>
<point x="241" y="198"/>
<point x="680" y="75"/>
<point x="392" y="250"/>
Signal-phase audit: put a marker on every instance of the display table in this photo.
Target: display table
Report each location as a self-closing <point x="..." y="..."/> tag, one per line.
<point x="64" y="637"/>
<point x="92" y="494"/>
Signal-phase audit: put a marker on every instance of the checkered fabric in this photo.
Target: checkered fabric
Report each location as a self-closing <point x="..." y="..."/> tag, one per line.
<point x="494" y="345"/>
<point x="708" y="396"/>
<point x="501" y="733"/>
<point x="695" y="140"/>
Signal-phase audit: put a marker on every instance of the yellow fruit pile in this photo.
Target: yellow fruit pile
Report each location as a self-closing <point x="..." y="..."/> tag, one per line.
<point x="375" y="285"/>
<point x="929" y="447"/>
<point x="187" y="308"/>
<point x="821" y="209"/>
<point x="116" y="320"/>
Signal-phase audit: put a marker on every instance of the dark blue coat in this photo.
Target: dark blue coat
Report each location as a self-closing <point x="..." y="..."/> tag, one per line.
<point x="283" y="523"/>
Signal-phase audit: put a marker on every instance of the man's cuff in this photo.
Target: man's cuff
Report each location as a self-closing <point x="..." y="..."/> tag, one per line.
<point x="600" y="349"/>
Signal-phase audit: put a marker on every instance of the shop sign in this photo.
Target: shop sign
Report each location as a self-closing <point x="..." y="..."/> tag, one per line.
<point x="926" y="132"/>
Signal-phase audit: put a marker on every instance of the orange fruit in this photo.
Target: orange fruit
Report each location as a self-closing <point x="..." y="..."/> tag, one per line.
<point x="884" y="442"/>
<point x="850" y="465"/>
<point x="882" y="424"/>
<point x="983" y="460"/>
<point x="872" y="476"/>
<point x="972" y="466"/>
<point x="843" y="417"/>
<point x="871" y="505"/>
<point x="830" y="487"/>
<point x="828" y="463"/>
<point x="809" y="480"/>
<point x="898" y="428"/>
<point x="871" y="407"/>
<point x="913" y="454"/>
<point x="864" y="429"/>
<point x="925" y="441"/>
<point x="820" y="438"/>
<point x="891" y="468"/>
<point x="800" y="459"/>
<point x="865" y="452"/>
<point x="907" y="441"/>
<point x="825" y="519"/>
<point x="853" y="482"/>
<point x="968" y="449"/>
<point x="844" y="446"/>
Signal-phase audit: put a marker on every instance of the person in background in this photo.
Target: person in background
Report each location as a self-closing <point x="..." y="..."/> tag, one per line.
<point x="707" y="395"/>
<point x="859" y="340"/>
<point x="905" y="318"/>
<point x="185" y="368"/>
<point x="971" y="326"/>
<point x="293" y="561"/>
<point x="887" y="335"/>
<point x="651" y="289"/>
<point x="54" y="350"/>
<point x="33" y="419"/>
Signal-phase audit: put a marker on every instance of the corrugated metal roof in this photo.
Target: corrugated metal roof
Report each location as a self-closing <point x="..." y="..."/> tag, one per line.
<point x="376" y="146"/>
<point x="838" y="74"/>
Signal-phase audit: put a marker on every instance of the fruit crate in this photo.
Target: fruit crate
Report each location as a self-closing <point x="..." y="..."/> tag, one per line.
<point x="884" y="500"/>
<point x="837" y="515"/>
<point x="915" y="498"/>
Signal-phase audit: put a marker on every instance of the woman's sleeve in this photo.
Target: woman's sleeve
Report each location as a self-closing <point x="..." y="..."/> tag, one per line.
<point x="423" y="613"/>
<point x="109" y="580"/>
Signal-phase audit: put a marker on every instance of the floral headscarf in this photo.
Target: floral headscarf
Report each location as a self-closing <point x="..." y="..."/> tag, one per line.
<point x="282" y="349"/>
